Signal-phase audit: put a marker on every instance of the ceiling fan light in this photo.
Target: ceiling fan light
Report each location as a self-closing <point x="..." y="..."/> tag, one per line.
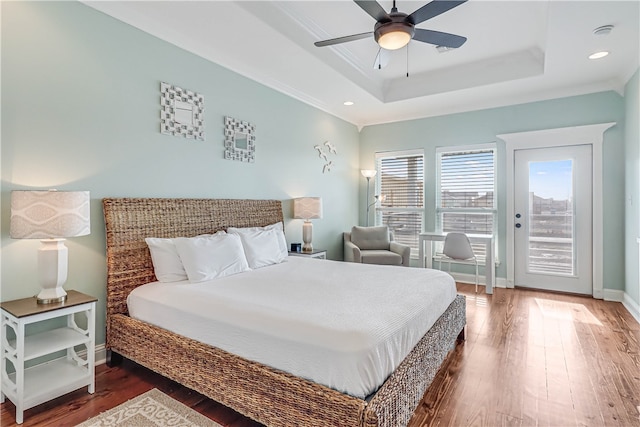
<point x="394" y="40"/>
<point x="393" y="35"/>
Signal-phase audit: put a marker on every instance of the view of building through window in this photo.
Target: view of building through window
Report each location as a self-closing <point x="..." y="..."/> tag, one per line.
<point x="551" y="220"/>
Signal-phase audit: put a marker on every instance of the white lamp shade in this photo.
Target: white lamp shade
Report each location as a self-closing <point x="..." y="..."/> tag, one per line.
<point x="368" y="173"/>
<point x="49" y="214"/>
<point x="307" y="208"/>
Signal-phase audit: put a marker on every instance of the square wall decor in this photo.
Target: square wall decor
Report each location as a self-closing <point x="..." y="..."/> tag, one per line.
<point x="239" y="140"/>
<point x="182" y="112"/>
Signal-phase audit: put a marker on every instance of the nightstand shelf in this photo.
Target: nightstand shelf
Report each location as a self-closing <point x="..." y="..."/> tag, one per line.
<point x="29" y="386"/>
<point x="42" y="382"/>
<point x="51" y="341"/>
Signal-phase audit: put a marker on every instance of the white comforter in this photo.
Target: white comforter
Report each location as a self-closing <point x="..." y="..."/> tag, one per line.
<point x="344" y="325"/>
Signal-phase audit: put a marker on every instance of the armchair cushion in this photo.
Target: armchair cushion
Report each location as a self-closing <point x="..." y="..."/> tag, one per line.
<point x="381" y="256"/>
<point x="370" y="238"/>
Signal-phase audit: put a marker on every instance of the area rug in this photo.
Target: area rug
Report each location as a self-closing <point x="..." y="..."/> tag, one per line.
<point x="150" y="409"/>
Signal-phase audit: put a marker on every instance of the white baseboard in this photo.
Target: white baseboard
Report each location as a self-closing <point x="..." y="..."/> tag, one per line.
<point x="631" y="306"/>
<point x="621" y="296"/>
<point x="613" y="295"/>
<point x="101" y="354"/>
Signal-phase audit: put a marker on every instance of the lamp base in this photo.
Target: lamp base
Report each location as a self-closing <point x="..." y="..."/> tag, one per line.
<point x="52" y="269"/>
<point x="307" y="232"/>
<point x="51" y="295"/>
<point x="40" y="300"/>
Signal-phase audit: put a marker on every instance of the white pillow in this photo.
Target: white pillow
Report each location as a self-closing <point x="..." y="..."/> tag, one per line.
<point x="166" y="262"/>
<point x="262" y="246"/>
<point x="282" y="241"/>
<point x="206" y="258"/>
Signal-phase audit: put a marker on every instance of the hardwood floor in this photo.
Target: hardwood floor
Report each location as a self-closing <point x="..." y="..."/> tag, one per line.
<point x="530" y="358"/>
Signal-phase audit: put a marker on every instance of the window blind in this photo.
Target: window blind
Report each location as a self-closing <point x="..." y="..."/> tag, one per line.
<point x="467" y="179"/>
<point x="400" y="182"/>
<point x="466" y="193"/>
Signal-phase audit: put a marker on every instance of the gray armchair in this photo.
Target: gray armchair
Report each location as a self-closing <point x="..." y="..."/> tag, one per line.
<point x="374" y="245"/>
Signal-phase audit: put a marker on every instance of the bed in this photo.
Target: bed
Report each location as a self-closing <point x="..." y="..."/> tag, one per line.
<point x="267" y="395"/>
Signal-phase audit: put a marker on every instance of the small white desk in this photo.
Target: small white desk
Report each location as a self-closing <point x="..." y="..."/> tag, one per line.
<point x="426" y="253"/>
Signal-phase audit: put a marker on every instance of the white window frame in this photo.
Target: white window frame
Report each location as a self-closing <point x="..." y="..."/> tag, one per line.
<point x="379" y="209"/>
<point x="478" y="249"/>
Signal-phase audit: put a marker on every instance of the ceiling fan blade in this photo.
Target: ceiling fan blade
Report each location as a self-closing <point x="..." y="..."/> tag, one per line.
<point x="374" y="9"/>
<point x="382" y="59"/>
<point x="343" y="39"/>
<point x="439" y="39"/>
<point x="433" y="9"/>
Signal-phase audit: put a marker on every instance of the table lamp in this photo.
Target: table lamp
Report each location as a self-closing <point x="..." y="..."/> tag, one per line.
<point x="307" y="208"/>
<point x="50" y="216"/>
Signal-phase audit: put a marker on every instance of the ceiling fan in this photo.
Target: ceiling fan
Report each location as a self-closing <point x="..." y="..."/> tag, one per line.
<point x="395" y="30"/>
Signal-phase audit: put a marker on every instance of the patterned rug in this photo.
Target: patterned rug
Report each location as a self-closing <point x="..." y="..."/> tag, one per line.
<point x="150" y="409"/>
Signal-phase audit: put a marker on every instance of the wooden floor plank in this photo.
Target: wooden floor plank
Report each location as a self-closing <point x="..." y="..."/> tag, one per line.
<point x="530" y="359"/>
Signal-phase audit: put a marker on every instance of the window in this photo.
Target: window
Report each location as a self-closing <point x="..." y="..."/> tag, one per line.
<point x="400" y="188"/>
<point x="465" y="198"/>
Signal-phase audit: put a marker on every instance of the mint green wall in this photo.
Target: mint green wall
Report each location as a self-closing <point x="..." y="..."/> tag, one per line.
<point x="632" y="186"/>
<point x="80" y="111"/>
<point x="480" y="127"/>
<point x="80" y="94"/>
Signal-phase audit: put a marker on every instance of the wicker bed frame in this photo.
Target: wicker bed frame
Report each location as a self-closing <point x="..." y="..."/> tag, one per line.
<point x="264" y="394"/>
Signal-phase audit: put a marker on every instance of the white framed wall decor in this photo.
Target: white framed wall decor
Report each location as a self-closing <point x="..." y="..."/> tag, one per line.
<point x="181" y="112"/>
<point x="239" y="140"/>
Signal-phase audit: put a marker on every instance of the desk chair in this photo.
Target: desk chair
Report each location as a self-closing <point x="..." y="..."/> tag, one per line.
<point x="457" y="249"/>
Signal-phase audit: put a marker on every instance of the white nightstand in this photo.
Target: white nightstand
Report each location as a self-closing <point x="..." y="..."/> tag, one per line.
<point x="28" y="387"/>
<point x="316" y="253"/>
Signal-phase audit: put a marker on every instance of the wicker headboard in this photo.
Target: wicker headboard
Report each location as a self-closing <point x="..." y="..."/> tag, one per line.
<point x="129" y="220"/>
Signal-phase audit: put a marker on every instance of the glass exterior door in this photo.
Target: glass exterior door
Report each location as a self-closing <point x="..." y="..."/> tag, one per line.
<point x="553" y="244"/>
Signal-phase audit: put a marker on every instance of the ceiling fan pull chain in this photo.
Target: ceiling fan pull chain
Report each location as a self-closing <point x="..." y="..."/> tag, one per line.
<point x="407" y="60"/>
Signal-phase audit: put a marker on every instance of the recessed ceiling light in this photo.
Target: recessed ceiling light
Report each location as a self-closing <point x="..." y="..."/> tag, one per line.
<point x="598" y="55"/>
<point x="348" y="102"/>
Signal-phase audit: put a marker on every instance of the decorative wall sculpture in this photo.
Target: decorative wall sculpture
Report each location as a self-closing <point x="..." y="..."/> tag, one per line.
<point x="324" y="151"/>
